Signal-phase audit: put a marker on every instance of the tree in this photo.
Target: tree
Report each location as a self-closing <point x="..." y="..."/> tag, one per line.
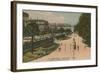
<point x="27" y="30"/>
<point x="31" y="29"/>
<point x="68" y="31"/>
<point x="83" y="28"/>
<point x="34" y="30"/>
<point x="61" y="30"/>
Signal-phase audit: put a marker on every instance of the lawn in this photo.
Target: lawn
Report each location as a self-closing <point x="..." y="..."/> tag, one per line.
<point x="39" y="52"/>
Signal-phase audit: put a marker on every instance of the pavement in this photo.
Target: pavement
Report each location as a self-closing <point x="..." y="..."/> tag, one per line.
<point x="66" y="52"/>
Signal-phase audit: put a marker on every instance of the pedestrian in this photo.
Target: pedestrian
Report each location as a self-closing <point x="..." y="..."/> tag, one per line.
<point x="59" y="48"/>
<point x="74" y="44"/>
<point x="74" y="48"/>
<point x="65" y="47"/>
<point x="78" y="47"/>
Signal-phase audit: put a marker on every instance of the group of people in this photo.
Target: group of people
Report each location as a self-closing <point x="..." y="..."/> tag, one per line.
<point x="74" y="46"/>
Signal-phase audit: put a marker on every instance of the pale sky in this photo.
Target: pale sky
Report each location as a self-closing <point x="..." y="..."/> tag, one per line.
<point x="55" y="17"/>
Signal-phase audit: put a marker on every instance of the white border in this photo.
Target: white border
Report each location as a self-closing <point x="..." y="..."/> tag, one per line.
<point x="21" y="65"/>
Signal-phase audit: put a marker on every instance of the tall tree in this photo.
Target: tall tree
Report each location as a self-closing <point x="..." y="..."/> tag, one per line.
<point x="34" y="30"/>
<point x="31" y="29"/>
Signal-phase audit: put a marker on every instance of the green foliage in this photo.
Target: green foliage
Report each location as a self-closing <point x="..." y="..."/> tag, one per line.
<point x="68" y="31"/>
<point x="31" y="29"/>
<point x="83" y="28"/>
<point x="27" y="31"/>
<point x="39" y="52"/>
<point x="61" y="30"/>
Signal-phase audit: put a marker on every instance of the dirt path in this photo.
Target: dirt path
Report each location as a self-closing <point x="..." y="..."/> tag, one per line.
<point x="65" y="51"/>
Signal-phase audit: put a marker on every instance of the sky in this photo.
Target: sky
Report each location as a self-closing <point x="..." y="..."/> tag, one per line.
<point x="71" y="18"/>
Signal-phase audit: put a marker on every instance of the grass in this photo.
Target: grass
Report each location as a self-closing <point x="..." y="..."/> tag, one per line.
<point x="39" y="52"/>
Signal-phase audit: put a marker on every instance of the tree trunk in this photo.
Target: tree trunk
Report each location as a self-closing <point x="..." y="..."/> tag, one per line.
<point x="32" y="45"/>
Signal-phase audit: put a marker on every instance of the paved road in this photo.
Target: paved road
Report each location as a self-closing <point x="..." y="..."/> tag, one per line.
<point x="66" y="52"/>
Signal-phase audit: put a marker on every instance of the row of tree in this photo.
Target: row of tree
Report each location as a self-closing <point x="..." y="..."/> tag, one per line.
<point x="83" y="28"/>
<point x="33" y="29"/>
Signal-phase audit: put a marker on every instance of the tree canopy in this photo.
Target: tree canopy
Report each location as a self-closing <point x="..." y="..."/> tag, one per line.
<point x="31" y="29"/>
<point x="83" y="28"/>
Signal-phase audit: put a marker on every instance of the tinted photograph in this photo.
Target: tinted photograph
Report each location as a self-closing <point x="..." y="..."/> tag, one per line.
<point x="56" y="36"/>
